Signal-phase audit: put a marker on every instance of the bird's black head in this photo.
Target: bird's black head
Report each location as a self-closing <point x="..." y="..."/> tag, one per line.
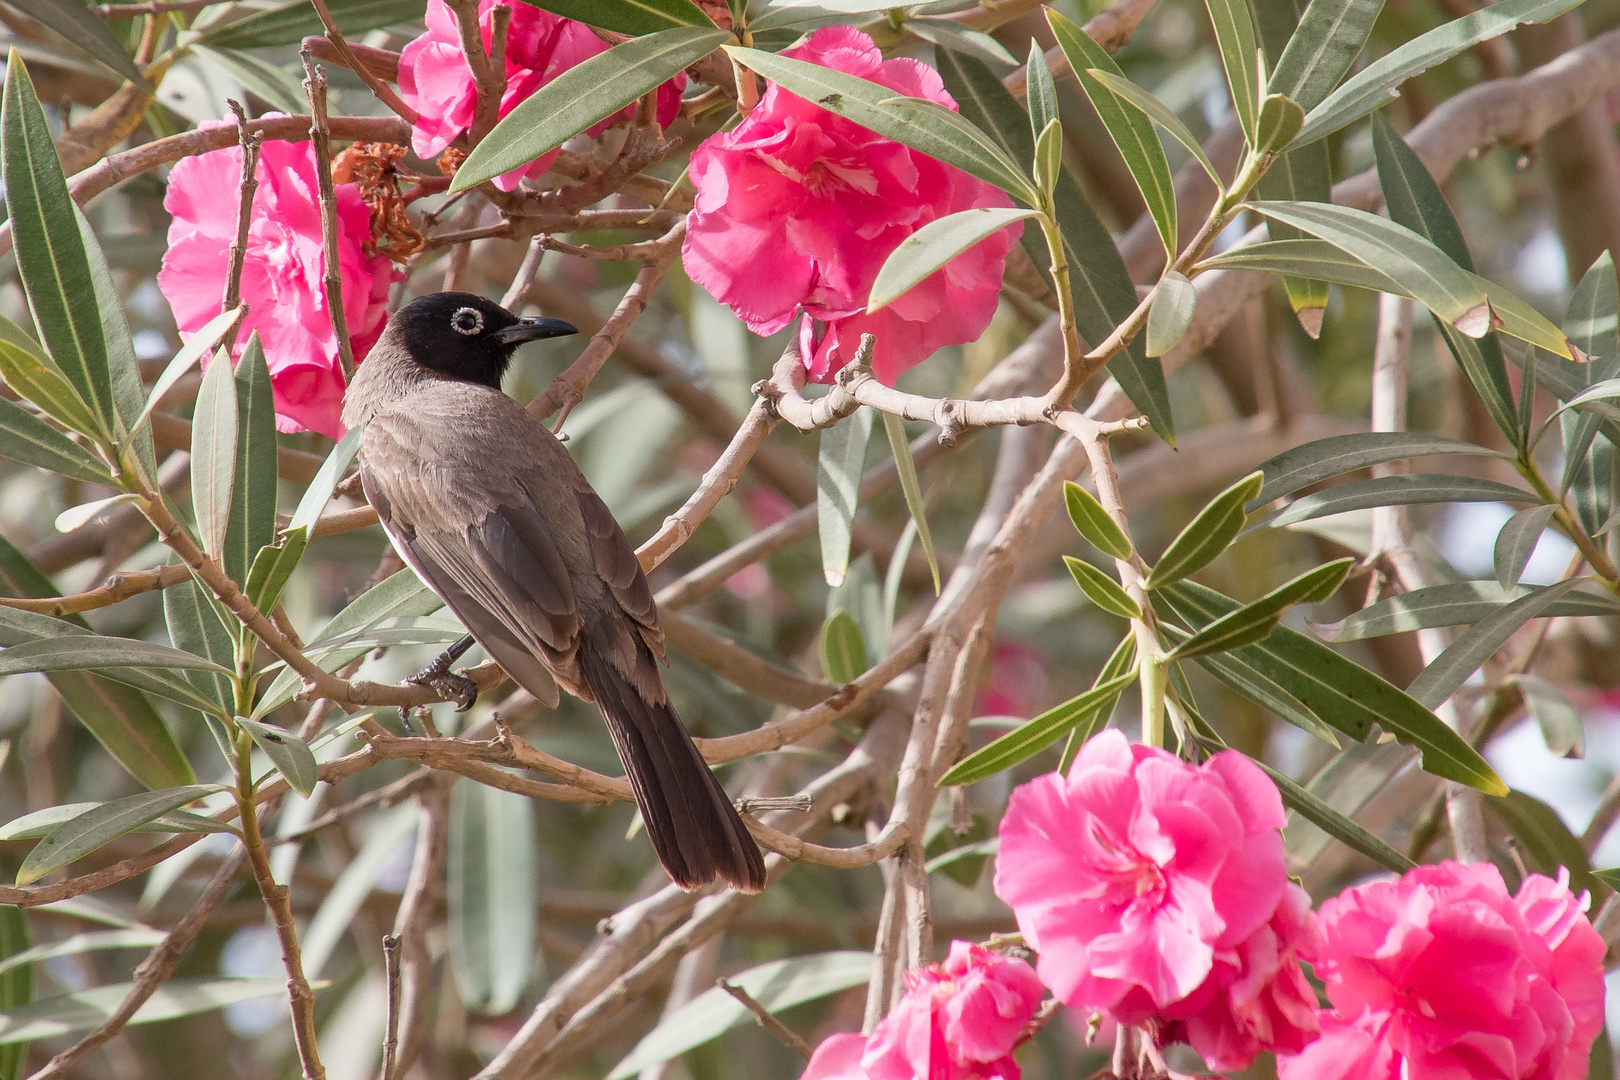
<point x="468" y="337"/>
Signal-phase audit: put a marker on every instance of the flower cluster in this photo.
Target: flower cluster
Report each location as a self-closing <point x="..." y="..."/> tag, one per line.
<point x="434" y="78"/>
<point x="797" y="209"/>
<point x="959" y="1020"/>
<point x="282" y="272"/>
<point x="1155" y="891"/>
<point x="1443" y="974"/>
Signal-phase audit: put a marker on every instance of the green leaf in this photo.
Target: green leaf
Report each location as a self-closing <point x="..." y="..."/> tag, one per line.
<point x="1130" y="129"/>
<point x="633" y="17"/>
<point x="401" y="596"/>
<point x="51" y="256"/>
<point x="1256" y="620"/>
<point x="287" y="752"/>
<point x="1560" y="722"/>
<point x="927" y="250"/>
<point x="961" y="856"/>
<point x="1247" y="681"/>
<point x="1049" y="157"/>
<point x="1174" y="299"/>
<point x="26" y="438"/>
<point x="16" y="984"/>
<point x="83" y="834"/>
<point x="1330" y="35"/>
<point x="252" y="522"/>
<point x="42" y="823"/>
<point x="276" y="85"/>
<point x="1593" y="319"/>
<point x="1279" y="122"/>
<point x="1093" y="720"/>
<point x="1322" y="459"/>
<point x="213" y="455"/>
<point x="320" y="489"/>
<point x="895" y="429"/>
<point x="1405" y="489"/>
<point x="37" y="379"/>
<point x="1600" y="1061"/>
<point x="1094" y="523"/>
<point x="1517" y="542"/>
<point x="79" y="23"/>
<point x="1240" y="56"/>
<point x="1448" y="671"/>
<point x="77" y="945"/>
<point x="1155" y="110"/>
<point x="922" y="125"/>
<point x="1041" y="97"/>
<point x="291" y="23"/>
<point x="1371" y="87"/>
<point x="82" y="1010"/>
<point x="840" y="463"/>
<point x="1301" y="173"/>
<point x="1342" y="692"/>
<point x="123" y="369"/>
<point x="493" y="896"/>
<point x="273" y="566"/>
<point x="581" y="96"/>
<point x="1337" y="825"/>
<point x="1101" y="589"/>
<point x="947" y="34"/>
<point x="201" y="343"/>
<point x="335" y="917"/>
<point x="1036" y="735"/>
<point x="1207" y="535"/>
<point x="1454" y="604"/>
<point x="1104" y="295"/>
<point x="843" y="652"/>
<point x="1422" y="270"/>
<point x="196" y="625"/>
<point x="777" y="986"/>
<point x="1544" y="837"/>
<point x="80" y="651"/>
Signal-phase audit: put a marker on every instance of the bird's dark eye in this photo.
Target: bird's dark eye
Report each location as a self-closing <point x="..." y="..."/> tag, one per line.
<point x="467" y="321"/>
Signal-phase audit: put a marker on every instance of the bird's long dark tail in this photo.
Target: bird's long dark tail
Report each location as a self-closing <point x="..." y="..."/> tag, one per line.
<point x="694" y="829"/>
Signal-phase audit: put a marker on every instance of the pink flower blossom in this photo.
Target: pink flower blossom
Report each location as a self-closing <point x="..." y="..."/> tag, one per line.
<point x="1441" y="975"/>
<point x="282" y="273"/>
<point x="1155" y="892"/>
<point x="434" y="78"/>
<point x="959" y="1020"/>
<point x="798" y="208"/>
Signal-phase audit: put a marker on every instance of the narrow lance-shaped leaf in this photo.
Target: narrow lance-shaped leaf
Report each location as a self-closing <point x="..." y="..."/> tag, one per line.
<point x="201" y="343"/>
<point x="1337" y="825"/>
<point x="1034" y="736"/>
<point x="581" y="96"/>
<point x="896" y="432"/>
<point x="51" y="257"/>
<point x="1155" y="110"/>
<point x="1101" y="589"/>
<point x="1323" y="459"/>
<point x="26" y="438"/>
<point x="1448" y="671"/>
<point x="838" y="486"/>
<point x="1560" y="722"/>
<point x="1249" y="682"/>
<point x="273" y="567"/>
<point x="1300" y="174"/>
<point x="1095" y="523"/>
<point x="634" y="17"/>
<point x="493" y="895"/>
<point x="843" y="653"/>
<point x="293" y="22"/>
<point x="36" y="378"/>
<point x="1593" y="318"/>
<point x="1174" y="300"/>
<point x="320" y="489"/>
<point x="81" y="1010"/>
<point x="1545" y="838"/>
<point x="80" y="24"/>
<point x="1240" y="56"/>
<point x="1405" y="489"/>
<point x="287" y="752"/>
<point x="1042" y="94"/>
<point x="1095" y="717"/>
<point x="213" y="455"/>
<point x="90" y="830"/>
<point x="1255" y="620"/>
<point x="1279" y="122"/>
<point x="1330" y="35"/>
<point x="196" y="625"/>
<point x="1130" y="129"/>
<point x="16" y="984"/>
<point x="1517" y="542"/>
<point x="922" y="125"/>
<point x="1454" y="604"/>
<point x="927" y="250"/>
<point x="1370" y="87"/>
<point x="77" y="652"/>
<point x="123" y="368"/>
<point x="1049" y="157"/>
<point x="252" y="522"/>
<point x="947" y="34"/>
<point x="1207" y="535"/>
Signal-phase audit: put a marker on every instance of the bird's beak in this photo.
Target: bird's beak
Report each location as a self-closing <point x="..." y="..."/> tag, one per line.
<point x="533" y="328"/>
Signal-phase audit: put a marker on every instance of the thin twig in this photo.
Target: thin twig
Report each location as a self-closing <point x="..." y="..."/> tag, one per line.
<point x="114" y="590"/>
<point x="332" y="280"/>
<point x="415" y="918"/>
<point x="488" y="69"/>
<point x="390" y="944"/>
<point x="384" y="92"/>
<point x="790" y="1038"/>
<point x="158" y="7"/>
<point x="249" y="186"/>
<point x="525" y="273"/>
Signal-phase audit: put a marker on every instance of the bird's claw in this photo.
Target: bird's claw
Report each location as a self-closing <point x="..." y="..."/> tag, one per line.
<point x="457" y="688"/>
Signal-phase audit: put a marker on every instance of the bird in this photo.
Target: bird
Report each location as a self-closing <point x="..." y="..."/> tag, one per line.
<point x="491" y="511"/>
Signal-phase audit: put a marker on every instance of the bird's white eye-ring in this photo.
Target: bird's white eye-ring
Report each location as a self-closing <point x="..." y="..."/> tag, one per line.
<point x="467" y="321"/>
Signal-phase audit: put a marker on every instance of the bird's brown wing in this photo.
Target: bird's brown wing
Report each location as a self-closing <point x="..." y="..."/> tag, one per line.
<point x="616" y="562"/>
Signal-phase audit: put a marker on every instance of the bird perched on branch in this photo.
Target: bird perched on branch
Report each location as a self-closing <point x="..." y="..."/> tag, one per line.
<point x="485" y="504"/>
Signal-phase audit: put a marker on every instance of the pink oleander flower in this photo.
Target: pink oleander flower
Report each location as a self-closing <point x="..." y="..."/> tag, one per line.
<point x="1155" y="892"/>
<point x="797" y="209"/>
<point x="282" y="273"/>
<point x="1441" y="975"/>
<point x="959" y="1020"/>
<point x="434" y="78"/>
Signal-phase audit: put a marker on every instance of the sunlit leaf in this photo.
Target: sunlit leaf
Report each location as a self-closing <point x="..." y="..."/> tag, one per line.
<point x="80" y="24"/>
<point x="1101" y="589"/>
<point x="634" y="17"/>
<point x="1448" y="671"/>
<point x="493" y="896"/>
<point x="1155" y="110"/>
<point x="1240" y="56"/>
<point x="1255" y="620"/>
<point x="1174" y="300"/>
<point x="843" y="653"/>
<point x="252" y="522"/>
<point x="1454" y="604"/>
<point x="1323" y="47"/>
<point x="287" y="752"/>
<point x="1207" y="535"/>
<point x="927" y="250"/>
<point x="1094" y="523"/>
<point x="1095" y="717"/>
<point x="840" y="464"/>
<point x="82" y="1010"/>
<point x="1036" y="735"/>
<point x="291" y="23"/>
<point x="213" y="455"/>
<point x="27" y="439"/>
<point x="83" y="834"/>
<point x="895" y="430"/>
<point x="1310" y="463"/>
<point x="1404" y="489"/>
<point x="1517" y="542"/>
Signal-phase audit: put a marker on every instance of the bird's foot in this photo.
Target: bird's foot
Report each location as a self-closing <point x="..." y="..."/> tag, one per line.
<point x="438" y="677"/>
